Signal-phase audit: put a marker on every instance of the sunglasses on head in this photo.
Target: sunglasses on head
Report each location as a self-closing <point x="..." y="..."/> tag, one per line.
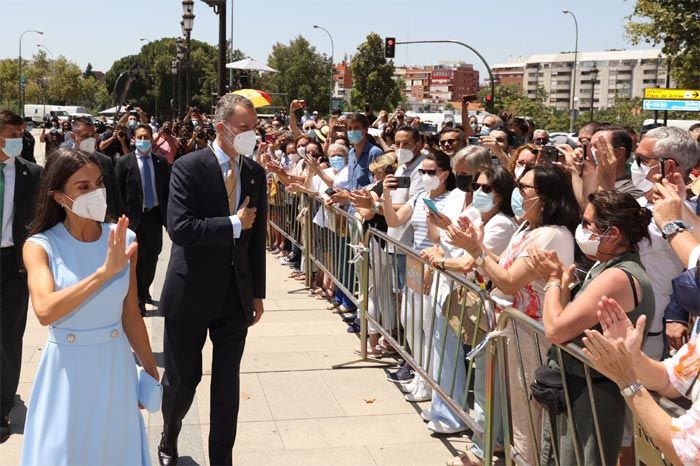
<point x="486" y="188"/>
<point x="427" y="172"/>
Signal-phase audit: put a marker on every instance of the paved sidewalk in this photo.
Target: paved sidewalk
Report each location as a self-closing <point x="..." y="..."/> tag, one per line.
<point x="295" y="409"/>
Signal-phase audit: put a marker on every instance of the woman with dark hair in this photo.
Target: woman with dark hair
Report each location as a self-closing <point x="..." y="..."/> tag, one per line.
<point x="84" y="407"/>
<point x="613" y="225"/>
<point x="490" y="202"/>
<point x="544" y="202"/>
<point x="438" y="180"/>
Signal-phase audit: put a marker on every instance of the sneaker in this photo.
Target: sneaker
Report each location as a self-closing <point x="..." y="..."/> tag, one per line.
<point x="422" y="392"/>
<point x="440" y="427"/>
<point x="425" y="415"/>
<point x="403" y="376"/>
<point x="411" y="386"/>
<point x="344" y="308"/>
<point x="353" y="328"/>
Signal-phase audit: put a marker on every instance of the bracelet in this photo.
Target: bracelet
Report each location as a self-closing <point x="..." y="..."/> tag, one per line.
<point x="554" y="284"/>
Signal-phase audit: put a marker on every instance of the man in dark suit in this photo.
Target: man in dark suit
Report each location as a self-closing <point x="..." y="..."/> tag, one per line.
<point x="19" y="183"/>
<point x="84" y="138"/>
<point x="216" y="276"/>
<point x="143" y="178"/>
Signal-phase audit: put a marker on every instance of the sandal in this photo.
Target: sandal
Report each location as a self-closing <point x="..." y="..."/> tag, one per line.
<point x="300" y="277"/>
<point x="375" y="352"/>
<point x="295" y="274"/>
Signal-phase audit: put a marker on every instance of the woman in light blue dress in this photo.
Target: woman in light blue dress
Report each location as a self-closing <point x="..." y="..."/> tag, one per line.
<point x="84" y="407"/>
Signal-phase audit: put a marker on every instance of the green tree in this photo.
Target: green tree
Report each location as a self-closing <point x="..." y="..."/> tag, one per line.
<point x="302" y="73"/>
<point x="153" y="88"/>
<point x="88" y="71"/>
<point x="676" y="24"/>
<point x="373" y="77"/>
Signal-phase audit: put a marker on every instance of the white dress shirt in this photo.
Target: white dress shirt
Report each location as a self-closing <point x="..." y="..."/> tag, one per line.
<point x="224" y="162"/>
<point x="8" y="205"/>
<point x="141" y="159"/>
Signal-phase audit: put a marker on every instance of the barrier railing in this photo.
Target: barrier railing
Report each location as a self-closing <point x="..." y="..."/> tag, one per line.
<point x="444" y="326"/>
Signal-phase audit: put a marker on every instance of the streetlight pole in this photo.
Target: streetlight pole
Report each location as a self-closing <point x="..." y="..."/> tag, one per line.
<point x="492" y="105"/>
<point x="187" y="25"/>
<point x="219" y="7"/>
<point x="19" y="79"/>
<point x="572" y="99"/>
<point x="330" y="98"/>
<point x="173" y="101"/>
<point x="594" y="76"/>
<point x="42" y="46"/>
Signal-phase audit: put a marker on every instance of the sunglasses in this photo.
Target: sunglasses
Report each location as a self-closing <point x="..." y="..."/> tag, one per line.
<point x="486" y="188"/>
<point x="427" y="172"/>
<point x="447" y="141"/>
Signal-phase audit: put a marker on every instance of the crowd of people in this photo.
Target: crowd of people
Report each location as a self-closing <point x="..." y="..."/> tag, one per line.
<point x="574" y="234"/>
<point x="596" y="239"/>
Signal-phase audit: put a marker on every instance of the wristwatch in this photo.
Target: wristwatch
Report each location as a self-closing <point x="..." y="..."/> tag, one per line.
<point x="671" y="228"/>
<point x="631" y="390"/>
<point x="479" y="261"/>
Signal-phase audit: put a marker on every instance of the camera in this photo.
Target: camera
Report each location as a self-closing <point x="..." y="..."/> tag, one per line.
<point x="473" y="141"/>
<point x="403" y="182"/>
<point x="120" y="133"/>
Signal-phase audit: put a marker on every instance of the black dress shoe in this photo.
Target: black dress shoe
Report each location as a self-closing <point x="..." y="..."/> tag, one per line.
<point x="167" y="457"/>
<point x="167" y="452"/>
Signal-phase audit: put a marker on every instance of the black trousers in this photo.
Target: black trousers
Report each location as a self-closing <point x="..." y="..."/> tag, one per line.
<point x="14" y="299"/>
<point x="149" y="235"/>
<point x="183" y="344"/>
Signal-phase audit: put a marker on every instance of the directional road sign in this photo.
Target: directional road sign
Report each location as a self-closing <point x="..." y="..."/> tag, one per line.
<point x="671" y="94"/>
<point x="678" y="105"/>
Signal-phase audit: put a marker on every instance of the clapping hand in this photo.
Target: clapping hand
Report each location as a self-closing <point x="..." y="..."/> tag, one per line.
<point x="466" y="236"/>
<point x="313" y="164"/>
<point x="118" y="254"/>
<point x="362" y="199"/>
<point x="439" y="220"/>
<point x="545" y="264"/>
<point x="613" y="353"/>
<point x="296" y="105"/>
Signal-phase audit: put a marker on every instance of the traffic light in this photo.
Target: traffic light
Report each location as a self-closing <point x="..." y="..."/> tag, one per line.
<point x="488" y="99"/>
<point x="390" y="47"/>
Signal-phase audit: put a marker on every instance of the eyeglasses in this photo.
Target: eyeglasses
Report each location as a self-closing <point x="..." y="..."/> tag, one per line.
<point x="541" y="141"/>
<point x="447" y="141"/>
<point x="523" y="186"/>
<point x="427" y="172"/>
<point x="647" y="160"/>
<point x="486" y="188"/>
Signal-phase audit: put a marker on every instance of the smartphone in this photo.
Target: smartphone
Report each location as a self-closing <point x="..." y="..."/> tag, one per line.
<point x="340" y="128"/>
<point x="549" y="154"/>
<point x="270" y="138"/>
<point x="330" y="192"/>
<point x="473" y="140"/>
<point x="431" y="205"/>
<point x="403" y="181"/>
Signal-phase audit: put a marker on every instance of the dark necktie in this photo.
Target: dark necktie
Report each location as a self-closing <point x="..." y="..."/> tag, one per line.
<point x="148" y="194"/>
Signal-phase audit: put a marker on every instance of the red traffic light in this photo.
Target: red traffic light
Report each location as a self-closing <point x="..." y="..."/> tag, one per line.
<point x="488" y="98"/>
<point x="389" y="47"/>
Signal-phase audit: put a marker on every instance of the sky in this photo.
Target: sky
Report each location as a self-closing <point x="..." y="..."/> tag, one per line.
<point x="102" y="31"/>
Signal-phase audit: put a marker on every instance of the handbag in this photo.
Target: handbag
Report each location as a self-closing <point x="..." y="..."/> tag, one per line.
<point x="150" y="391"/>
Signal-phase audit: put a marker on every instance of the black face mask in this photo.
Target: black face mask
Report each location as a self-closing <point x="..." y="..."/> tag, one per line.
<point x="464" y="182"/>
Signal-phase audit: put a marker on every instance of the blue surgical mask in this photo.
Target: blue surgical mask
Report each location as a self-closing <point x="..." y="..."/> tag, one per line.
<point x="143" y="146"/>
<point x="481" y="201"/>
<point x="133" y="124"/>
<point x="516" y="203"/>
<point x="338" y="163"/>
<point x="485" y="130"/>
<point x="355" y="136"/>
<point x="13" y="147"/>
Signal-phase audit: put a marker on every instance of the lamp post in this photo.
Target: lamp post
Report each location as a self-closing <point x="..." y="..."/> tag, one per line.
<point x="174" y="64"/>
<point x="180" y="54"/>
<point x="20" y="110"/>
<point x="219" y="7"/>
<point x="187" y="25"/>
<point x="42" y="46"/>
<point x="594" y="76"/>
<point x="572" y="98"/>
<point x="330" y="98"/>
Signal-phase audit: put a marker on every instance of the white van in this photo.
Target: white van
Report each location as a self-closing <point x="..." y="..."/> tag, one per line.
<point x="37" y="112"/>
<point x="682" y="124"/>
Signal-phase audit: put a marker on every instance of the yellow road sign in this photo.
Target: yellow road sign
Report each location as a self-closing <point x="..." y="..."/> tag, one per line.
<point x="673" y="94"/>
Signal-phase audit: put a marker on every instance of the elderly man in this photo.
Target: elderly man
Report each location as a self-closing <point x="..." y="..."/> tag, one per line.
<point x="215" y="282"/>
<point x="540" y="137"/>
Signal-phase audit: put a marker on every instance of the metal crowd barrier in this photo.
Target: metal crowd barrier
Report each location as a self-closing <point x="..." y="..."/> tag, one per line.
<point x="417" y="309"/>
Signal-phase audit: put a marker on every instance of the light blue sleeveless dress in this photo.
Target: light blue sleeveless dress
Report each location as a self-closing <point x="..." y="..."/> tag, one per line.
<point x="83" y="409"/>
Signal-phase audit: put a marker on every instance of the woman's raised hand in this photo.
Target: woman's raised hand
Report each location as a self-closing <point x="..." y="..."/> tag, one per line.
<point x="118" y="254"/>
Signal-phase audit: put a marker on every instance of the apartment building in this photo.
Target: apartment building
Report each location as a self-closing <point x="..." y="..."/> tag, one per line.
<point x="600" y="76"/>
<point x="439" y="84"/>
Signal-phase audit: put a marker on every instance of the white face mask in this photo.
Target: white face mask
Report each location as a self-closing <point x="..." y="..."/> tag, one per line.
<point x="583" y="238"/>
<point x="279" y="153"/>
<point x="243" y="143"/>
<point x="430" y="182"/>
<point x="87" y="145"/>
<point x="91" y="206"/>
<point x="301" y="151"/>
<point x="639" y="177"/>
<point x="519" y="170"/>
<point x="404" y="155"/>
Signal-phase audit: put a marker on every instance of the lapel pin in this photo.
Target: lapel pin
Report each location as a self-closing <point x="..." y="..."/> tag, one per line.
<point x="252" y="181"/>
<point x="24" y="173"/>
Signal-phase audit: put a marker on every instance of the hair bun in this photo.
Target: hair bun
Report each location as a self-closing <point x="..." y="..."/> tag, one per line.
<point x="646" y="215"/>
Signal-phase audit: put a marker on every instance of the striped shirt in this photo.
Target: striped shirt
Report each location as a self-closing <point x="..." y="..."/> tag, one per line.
<point x="420" y="216"/>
